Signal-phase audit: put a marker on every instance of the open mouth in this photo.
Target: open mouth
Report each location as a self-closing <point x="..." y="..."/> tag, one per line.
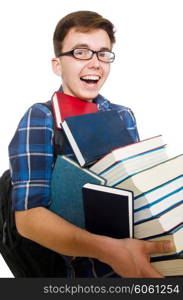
<point x="90" y="79"/>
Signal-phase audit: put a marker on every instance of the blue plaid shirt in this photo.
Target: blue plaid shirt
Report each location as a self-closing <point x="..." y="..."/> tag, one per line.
<point x="31" y="153"/>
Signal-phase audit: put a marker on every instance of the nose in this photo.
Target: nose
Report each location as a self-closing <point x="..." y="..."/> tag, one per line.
<point x="94" y="62"/>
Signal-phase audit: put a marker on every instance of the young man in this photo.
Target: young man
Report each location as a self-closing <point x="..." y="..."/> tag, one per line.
<point x="83" y="47"/>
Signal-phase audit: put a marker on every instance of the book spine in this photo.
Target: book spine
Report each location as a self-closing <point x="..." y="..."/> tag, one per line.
<point x="73" y="144"/>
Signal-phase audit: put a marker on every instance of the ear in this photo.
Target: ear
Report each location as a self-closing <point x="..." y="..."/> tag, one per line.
<point x="56" y="66"/>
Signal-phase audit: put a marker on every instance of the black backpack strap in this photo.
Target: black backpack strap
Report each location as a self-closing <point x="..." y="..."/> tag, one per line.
<point x="59" y="137"/>
<point x="5" y="186"/>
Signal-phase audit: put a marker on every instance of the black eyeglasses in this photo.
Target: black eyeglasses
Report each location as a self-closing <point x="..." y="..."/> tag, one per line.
<point x="86" y="54"/>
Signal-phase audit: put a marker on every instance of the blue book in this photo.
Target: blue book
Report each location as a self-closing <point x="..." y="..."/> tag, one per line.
<point x="67" y="181"/>
<point x="93" y="135"/>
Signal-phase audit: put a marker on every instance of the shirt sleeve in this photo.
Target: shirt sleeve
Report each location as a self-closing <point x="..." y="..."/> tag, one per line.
<point x="31" y="159"/>
<point x="131" y="124"/>
<point x="127" y="116"/>
<point x="125" y="113"/>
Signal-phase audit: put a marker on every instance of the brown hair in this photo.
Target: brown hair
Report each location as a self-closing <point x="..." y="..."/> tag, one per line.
<point x="84" y="21"/>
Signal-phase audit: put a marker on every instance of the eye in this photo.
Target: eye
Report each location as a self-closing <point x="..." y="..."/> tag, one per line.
<point x="103" y="54"/>
<point x="81" y="52"/>
<point x="106" y="56"/>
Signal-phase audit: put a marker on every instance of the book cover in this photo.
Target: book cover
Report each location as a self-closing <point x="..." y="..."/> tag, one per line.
<point x="125" y="152"/>
<point x="67" y="106"/>
<point x="108" y="211"/>
<point x="93" y="135"/>
<point x="66" y="189"/>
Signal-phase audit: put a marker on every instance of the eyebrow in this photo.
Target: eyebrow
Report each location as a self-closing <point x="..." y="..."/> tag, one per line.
<point x="87" y="46"/>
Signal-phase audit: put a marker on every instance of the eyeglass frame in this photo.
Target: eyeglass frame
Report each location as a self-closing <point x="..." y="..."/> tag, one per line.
<point x="71" y="52"/>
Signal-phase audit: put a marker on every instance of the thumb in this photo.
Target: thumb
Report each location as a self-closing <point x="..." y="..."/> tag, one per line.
<point x="159" y="247"/>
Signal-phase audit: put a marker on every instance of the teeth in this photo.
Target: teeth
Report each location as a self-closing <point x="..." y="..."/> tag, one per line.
<point x="92" y="77"/>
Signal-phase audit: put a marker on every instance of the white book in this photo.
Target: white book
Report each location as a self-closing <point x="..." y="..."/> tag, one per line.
<point x="125" y="168"/>
<point x="159" y="207"/>
<point x="159" y="225"/>
<point x="159" y="193"/>
<point x="171" y="267"/>
<point x="153" y="177"/>
<point x="125" y="152"/>
<point x="176" y="237"/>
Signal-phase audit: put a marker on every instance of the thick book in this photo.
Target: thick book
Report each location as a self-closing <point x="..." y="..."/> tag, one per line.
<point x="170" y="267"/>
<point x="156" y="189"/>
<point x="108" y="211"/>
<point x="67" y="106"/>
<point x="176" y="237"/>
<point x="66" y="189"/>
<point x="154" y="176"/>
<point x="125" y="152"/>
<point x="160" y="205"/>
<point x="165" y="191"/>
<point x="160" y="224"/>
<point x="132" y="165"/>
<point x="171" y="263"/>
<point x="93" y="135"/>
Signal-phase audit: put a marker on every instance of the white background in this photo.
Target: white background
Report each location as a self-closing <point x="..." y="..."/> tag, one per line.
<point x="146" y="76"/>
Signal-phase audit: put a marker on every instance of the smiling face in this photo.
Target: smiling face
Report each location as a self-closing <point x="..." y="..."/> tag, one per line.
<point x="83" y="78"/>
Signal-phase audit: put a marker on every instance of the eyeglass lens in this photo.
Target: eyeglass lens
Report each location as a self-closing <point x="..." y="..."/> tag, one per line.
<point x="105" y="56"/>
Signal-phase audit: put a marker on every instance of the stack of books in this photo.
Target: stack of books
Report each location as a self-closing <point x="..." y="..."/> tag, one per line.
<point x="158" y="209"/>
<point x="158" y="206"/>
<point x="109" y="166"/>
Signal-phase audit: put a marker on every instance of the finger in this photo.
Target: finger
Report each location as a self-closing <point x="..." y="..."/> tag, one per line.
<point x="159" y="247"/>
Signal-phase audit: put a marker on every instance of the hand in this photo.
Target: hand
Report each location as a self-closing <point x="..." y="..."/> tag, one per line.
<point x="131" y="257"/>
